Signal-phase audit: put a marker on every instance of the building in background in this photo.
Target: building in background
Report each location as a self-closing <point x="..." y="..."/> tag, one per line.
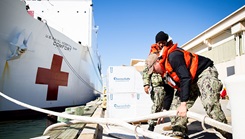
<point x="224" y="44"/>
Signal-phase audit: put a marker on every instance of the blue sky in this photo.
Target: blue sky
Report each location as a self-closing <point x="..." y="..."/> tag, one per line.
<point x="127" y="28"/>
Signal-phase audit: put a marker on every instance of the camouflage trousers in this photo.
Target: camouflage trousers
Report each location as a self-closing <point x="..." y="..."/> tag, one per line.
<point x="208" y="88"/>
<point x="157" y="97"/>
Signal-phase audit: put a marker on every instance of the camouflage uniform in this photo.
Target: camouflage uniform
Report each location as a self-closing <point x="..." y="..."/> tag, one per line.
<point x="207" y="88"/>
<point x="157" y="92"/>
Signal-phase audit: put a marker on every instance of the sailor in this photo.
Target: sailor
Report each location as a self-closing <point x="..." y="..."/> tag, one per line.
<point x="192" y="75"/>
<point x="161" y="94"/>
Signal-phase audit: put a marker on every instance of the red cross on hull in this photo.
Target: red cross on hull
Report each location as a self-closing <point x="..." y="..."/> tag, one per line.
<point x="52" y="77"/>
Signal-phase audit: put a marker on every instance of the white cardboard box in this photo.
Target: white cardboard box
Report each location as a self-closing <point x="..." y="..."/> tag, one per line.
<point x="143" y="104"/>
<point x="128" y="105"/>
<point x="125" y="93"/>
<point x="121" y="105"/>
<point x="120" y="79"/>
<point x="124" y="79"/>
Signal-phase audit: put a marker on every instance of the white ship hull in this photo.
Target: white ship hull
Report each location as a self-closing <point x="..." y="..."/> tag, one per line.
<point x="42" y="66"/>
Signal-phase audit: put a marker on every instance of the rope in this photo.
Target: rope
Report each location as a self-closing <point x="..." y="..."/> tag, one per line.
<point x="210" y="130"/>
<point x="202" y="123"/>
<point x="69" y="65"/>
<point x="209" y="121"/>
<point x="125" y="123"/>
<point x="135" y="131"/>
<point x="93" y="62"/>
<point x="86" y="119"/>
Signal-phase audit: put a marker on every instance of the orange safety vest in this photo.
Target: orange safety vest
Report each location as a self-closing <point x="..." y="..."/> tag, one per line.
<point x="191" y="61"/>
<point x="155" y="49"/>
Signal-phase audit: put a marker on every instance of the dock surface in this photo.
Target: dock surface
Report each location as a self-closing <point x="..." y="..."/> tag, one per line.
<point x="102" y="131"/>
<point x="195" y="130"/>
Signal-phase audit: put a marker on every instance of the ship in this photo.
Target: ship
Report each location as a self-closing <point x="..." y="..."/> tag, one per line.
<point x="48" y="55"/>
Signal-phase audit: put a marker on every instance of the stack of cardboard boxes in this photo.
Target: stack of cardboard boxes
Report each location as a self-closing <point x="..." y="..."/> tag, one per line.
<point x="125" y="93"/>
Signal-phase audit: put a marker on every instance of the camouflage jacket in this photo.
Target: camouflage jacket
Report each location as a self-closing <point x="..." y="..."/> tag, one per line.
<point x="152" y="80"/>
